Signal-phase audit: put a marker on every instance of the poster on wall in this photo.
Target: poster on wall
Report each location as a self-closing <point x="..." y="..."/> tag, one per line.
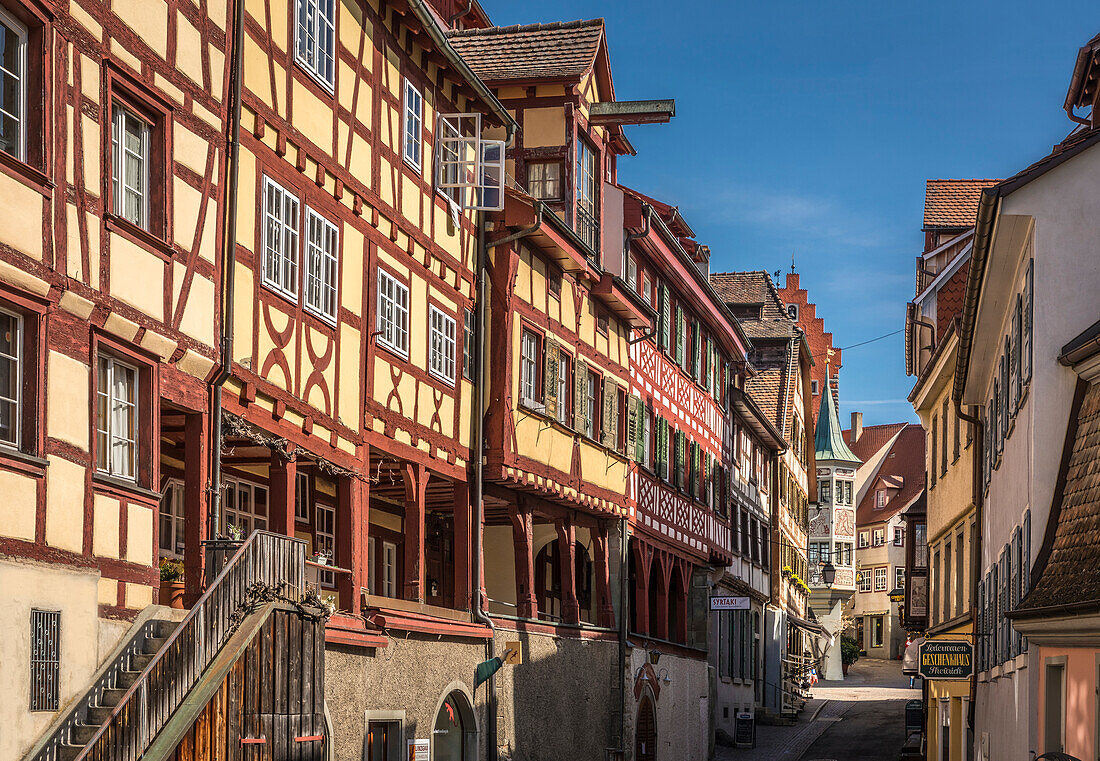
<point x="918" y="596"/>
<point x="419" y="750"/>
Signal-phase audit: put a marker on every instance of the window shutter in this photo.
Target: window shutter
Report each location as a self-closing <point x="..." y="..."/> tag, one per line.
<point x="632" y="422"/>
<point x="1025" y="566"/>
<point x="979" y="639"/>
<point x="610" y="403"/>
<point x="580" y="403"/>
<point x="1015" y="354"/>
<point x="695" y="340"/>
<point x="1026" y="323"/>
<point x="643" y="433"/>
<point x="676" y="336"/>
<point x="550" y="378"/>
<point x="666" y="317"/>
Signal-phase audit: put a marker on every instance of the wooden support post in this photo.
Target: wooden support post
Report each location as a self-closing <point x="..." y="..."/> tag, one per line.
<point x="567" y="568"/>
<point x="605" y="610"/>
<point x="527" y="605"/>
<point x="416" y="486"/>
<point x="659" y="628"/>
<point x="463" y="546"/>
<point x="196" y="501"/>
<point x="351" y="543"/>
<point x="283" y="478"/>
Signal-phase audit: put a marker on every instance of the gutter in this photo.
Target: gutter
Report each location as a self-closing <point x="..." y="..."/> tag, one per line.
<point x="988" y="206"/>
<point x="229" y="246"/>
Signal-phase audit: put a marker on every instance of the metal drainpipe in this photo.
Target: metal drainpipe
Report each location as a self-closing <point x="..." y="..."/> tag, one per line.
<point x="624" y="623"/>
<point x="469" y="7"/>
<point x="976" y="550"/>
<point x="478" y="500"/>
<point x="229" y="244"/>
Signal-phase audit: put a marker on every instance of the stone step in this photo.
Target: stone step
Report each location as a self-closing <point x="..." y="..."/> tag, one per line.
<point x="111" y="697"/>
<point x="98" y="715"/>
<point x="68" y="752"/>
<point x="153" y="644"/>
<point x="82" y="734"/>
<point x="124" y="679"/>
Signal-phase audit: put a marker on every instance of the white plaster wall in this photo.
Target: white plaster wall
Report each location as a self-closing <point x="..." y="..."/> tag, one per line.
<point x="25" y="586"/>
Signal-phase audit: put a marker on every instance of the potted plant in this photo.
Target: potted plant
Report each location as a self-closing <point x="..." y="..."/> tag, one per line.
<point x="321" y="557"/>
<point x="171" y="583"/>
<point x="849" y="653"/>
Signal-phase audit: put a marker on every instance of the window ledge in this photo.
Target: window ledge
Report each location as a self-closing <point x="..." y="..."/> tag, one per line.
<point x="139" y="235"/>
<point x="26" y="173"/>
<point x="13" y="459"/>
<point x="125" y="487"/>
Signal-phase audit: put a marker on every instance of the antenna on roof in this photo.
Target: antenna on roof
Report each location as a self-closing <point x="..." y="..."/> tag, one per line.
<point x="792" y="261"/>
<point x="777" y="274"/>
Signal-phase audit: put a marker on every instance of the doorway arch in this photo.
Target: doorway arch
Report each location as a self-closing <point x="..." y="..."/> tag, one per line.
<point x="454" y="732"/>
<point x="645" y="730"/>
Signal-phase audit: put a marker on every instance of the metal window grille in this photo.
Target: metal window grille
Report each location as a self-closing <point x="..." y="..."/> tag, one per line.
<point x="45" y="659"/>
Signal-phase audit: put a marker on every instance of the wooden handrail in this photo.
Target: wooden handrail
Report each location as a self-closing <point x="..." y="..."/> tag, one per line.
<point x="207" y="626"/>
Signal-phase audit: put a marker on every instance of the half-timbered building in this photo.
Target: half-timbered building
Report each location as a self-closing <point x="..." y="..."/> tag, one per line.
<point x="111" y="163"/>
<point x="779" y="385"/>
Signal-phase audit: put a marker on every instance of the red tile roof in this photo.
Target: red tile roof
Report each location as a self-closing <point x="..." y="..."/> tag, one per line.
<point x="765" y="388"/>
<point x="873" y="438"/>
<point x="953" y="203"/>
<point x="905" y="461"/>
<point x="754" y="288"/>
<point x="560" y="50"/>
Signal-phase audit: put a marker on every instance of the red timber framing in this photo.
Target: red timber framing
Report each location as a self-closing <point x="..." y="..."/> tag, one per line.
<point x="69" y="279"/>
<point x="661" y="581"/>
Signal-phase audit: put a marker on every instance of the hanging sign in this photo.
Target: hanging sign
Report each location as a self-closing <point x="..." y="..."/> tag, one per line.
<point x="946" y="659"/>
<point x="729" y="602"/>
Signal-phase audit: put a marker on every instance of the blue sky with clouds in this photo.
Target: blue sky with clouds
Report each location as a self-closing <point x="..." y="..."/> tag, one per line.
<point x="810" y="128"/>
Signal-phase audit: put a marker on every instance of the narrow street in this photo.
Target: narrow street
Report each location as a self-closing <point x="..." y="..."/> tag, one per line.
<point x="859" y="719"/>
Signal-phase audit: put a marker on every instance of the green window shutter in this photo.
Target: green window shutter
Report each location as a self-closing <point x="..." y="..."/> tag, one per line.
<point x="666" y="317"/>
<point x="641" y="434"/>
<point x="610" y="404"/>
<point x="580" y="403"/>
<point x="632" y="427"/>
<point x="550" y="378"/>
<point x="696" y="351"/>
<point x="679" y="352"/>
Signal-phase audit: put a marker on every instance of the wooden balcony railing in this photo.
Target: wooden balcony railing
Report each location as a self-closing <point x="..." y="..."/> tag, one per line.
<point x="277" y="561"/>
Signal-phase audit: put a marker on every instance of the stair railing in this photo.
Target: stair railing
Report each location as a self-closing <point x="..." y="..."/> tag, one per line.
<point x="147" y="706"/>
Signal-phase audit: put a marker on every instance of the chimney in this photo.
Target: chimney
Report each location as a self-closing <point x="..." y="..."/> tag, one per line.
<point x="857" y="427"/>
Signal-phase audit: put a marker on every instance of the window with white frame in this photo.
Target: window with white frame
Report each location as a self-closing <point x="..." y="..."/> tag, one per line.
<point x="389" y="569"/>
<point x="170" y="533"/>
<point x="864" y="539"/>
<point x="880" y="579"/>
<point x="529" y="367"/>
<point x="863" y="581"/>
<point x="11" y="377"/>
<point x="301" y="497"/>
<point x="878" y="537"/>
<point x="564" y="385"/>
<point x="876" y="631"/>
<point x="116" y="419"/>
<point x="324" y="530"/>
<point x="393" y="314"/>
<point x="245" y="505"/>
<point x="322" y="250"/>
<point x="441" y="341"/>
<point x="591" y="403"/>
<point x="315" y="47"/>
<point x="899" y="536"/>
<point x="412" y="141"/>
<point x="280" y="239"/>
<point x="880" y="499"/>
<point x="899" y="577"/>
<point x="130" y="166"/>
<point x="13" y="86"/>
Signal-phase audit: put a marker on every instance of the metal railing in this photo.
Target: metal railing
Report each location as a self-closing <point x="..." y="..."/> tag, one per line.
<point x="150" y="702"/>
<point x="588" y="228"/>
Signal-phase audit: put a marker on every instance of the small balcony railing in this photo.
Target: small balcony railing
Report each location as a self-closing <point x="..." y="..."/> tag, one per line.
<point x="588" y="227"/>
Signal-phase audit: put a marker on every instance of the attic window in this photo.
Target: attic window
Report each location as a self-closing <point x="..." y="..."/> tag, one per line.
<point x="880" y="499"/>
<point x="792" y="311"/>
<point x="813" y="387"/>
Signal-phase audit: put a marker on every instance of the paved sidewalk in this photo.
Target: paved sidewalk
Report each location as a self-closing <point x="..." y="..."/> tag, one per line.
<point x="869" y="682"/>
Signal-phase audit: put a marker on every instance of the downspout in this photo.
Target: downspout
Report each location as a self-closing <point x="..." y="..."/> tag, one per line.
<point x="925" y="324"/>
<point x="478" y="499"/>
<point x="452" y="19"/>
<point x="229" y="244"/>
<point x="624" y="624"/>
<point x="975" y="551"/>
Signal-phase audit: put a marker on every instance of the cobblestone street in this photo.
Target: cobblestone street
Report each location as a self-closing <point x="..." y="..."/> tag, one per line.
<point x="835" y="723"/>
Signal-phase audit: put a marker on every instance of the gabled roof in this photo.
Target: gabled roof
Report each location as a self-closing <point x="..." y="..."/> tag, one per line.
<point x="765" y="388"/>
<point x="829" y="441"/>
<point x="754" y="288"/>
<point x="901" y="469"/>
<point x="872" y="439"/>
<point x="559" y="50"/>
<point x="952" y="203"/>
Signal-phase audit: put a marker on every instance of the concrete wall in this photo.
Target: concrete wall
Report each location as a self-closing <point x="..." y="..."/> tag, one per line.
<point x="682" y="708"/>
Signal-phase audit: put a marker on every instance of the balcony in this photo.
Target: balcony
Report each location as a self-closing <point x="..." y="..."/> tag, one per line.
<point x="588" y="228"/>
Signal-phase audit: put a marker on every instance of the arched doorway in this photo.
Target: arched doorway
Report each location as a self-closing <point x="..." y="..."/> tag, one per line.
<point x="454" y="736"/>
<point x="645" y="733"/>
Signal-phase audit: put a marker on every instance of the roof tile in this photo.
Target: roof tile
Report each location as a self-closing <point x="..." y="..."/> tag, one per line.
<point x="905" y="461"/>
<point x="564" y="50"/>
<point x="953" y="203"/>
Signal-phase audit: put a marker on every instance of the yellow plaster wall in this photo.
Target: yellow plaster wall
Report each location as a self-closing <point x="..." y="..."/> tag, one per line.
<point x="105" y="511"/>
<point x="148" y="19"/>
<point x="137" y="277"/>
<point x="67" y="415"/>
<point x="544" y="127"/>
<point x="65" y="504"/>
<point x="20" y="230"/>
<point x="139" y="534"/>
<point x="20" y="501"/>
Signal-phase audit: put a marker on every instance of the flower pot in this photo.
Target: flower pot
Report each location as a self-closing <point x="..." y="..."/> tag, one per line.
<point x="171" y="594"/>
<point x="844" y="668"/>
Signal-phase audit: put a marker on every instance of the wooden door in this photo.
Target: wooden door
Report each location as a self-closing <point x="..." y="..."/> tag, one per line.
<point x="645" y="734"/>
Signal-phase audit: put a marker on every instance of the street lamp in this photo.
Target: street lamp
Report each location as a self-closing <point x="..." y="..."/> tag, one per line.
<point x="828" y="573"/>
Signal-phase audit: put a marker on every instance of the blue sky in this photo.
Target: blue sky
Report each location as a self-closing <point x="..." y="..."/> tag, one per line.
<point x="810" y="128"/>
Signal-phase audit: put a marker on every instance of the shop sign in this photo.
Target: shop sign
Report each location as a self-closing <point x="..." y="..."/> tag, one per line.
<point x="729" y="602"/>
<point x="946" y="659"/>
<point x="419" y="750"/>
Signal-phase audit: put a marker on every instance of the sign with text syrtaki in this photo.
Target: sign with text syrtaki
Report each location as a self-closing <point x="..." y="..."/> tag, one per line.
<point x="946" y="659"/>
<point x="729" y="602"/>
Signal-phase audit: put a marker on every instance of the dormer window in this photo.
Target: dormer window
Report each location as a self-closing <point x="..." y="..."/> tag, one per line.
<point x="880" y="499"/>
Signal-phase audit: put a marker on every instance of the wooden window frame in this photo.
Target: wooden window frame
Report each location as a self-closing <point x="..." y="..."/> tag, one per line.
<point x="412" y="139"/>
<point x="531" y="183"/>
<point x="535" y="400"/>
<point x="400" y="328"/>
<point x="287" y="288"/>
<point x="134" y="96"/>
<point x="446" y="319"/>
<point x="303" y="498"/>
<point x="32" y="166"/>
<point x="565" y="412"/>
<point x="329" y="265"/>
<point x="300" y="57"/>
<point x="147" y="449"/>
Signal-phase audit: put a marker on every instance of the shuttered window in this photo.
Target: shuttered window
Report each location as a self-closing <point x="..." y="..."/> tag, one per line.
<point x="45" y="659"/>
<point x="550" y="385"/>
<point x="1026" y="324"/>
